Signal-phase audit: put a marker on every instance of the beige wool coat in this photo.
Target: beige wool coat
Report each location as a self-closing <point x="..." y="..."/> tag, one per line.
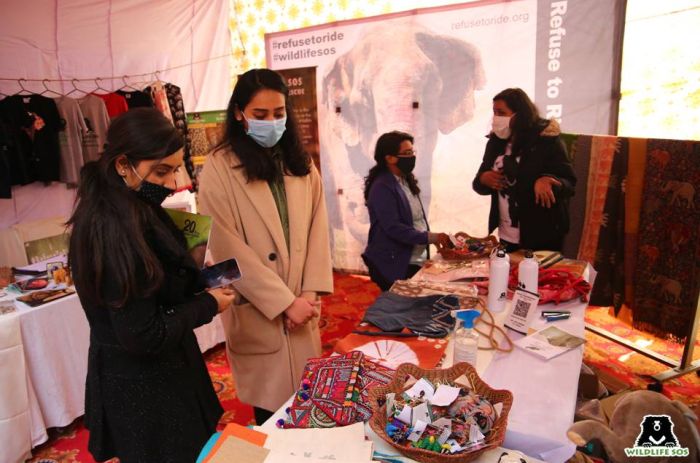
<point x="267" y="362"/>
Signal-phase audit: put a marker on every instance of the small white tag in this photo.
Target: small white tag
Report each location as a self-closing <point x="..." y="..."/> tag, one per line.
<point x="406" y="415"/>
<point x="454" y="446"/>
<point x="475" y="435"/>
<point x="445" y="435"/>
<point x="421" y="413"/>
<point x="417" y="431"/>
<point x="443" y="423"/>
<point x="445" y="395"/>
<point x="422" y="390"/>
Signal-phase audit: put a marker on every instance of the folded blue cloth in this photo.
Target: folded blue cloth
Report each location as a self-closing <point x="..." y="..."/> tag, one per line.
<point x="426" y="315"/>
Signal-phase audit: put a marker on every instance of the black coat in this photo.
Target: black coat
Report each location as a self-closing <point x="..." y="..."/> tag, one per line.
<point x="33" y="157"/>
<point x="149" y="397"/>
<point x="542" y="153"/>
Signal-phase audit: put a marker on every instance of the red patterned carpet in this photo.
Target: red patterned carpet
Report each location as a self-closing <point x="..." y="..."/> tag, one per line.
<point x="630" y="368"/>
<point x="341" y="313"/>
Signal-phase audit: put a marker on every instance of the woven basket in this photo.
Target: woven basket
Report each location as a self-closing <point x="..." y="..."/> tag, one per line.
<point x="397" y="385"/>
<point x="490" y="242"/>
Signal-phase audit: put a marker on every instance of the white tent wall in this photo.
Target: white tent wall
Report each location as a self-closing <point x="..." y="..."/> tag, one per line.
<point x="186" y="41"/>
<point x="85" y="39"/>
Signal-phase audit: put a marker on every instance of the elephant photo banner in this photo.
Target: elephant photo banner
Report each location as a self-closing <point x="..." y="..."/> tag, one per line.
<point x="433" y="73"/>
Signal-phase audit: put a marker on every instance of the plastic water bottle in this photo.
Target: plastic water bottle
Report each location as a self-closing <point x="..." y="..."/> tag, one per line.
<point x="528" y="272"/>
<point x="499" y="269"/>
<point x="466" y="339"/>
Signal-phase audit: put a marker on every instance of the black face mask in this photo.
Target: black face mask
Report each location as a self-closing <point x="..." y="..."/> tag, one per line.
<point x="406" y="164"/>
<point x="153" y="193"/>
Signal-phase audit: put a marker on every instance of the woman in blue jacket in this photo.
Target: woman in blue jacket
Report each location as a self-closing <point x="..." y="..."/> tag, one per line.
<point x="399" y="234"/>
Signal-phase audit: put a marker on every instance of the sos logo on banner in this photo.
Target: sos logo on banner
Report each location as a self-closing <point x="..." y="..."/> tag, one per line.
<point x="657" y="439"/>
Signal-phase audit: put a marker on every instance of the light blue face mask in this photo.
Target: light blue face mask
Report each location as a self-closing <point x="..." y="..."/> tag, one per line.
<point x="266" y="133"/>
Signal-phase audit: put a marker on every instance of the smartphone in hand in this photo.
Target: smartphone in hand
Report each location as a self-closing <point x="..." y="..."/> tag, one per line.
<point x="221" y="274"/>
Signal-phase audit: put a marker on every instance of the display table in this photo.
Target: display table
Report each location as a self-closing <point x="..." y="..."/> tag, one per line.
<point x="15" y="431"/>
<point x="56" y="338"/>
<point x="544" y="392"/>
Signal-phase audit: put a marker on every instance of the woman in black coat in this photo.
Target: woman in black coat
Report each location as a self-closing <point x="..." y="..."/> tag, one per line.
<point x="148" y="395"/>
<point x="528" y="175"/>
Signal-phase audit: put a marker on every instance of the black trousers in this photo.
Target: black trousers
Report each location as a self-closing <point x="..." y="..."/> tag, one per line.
<point x="554" y="244"/>
<point x="382" y="282"/>
<point x="509" y="247"/>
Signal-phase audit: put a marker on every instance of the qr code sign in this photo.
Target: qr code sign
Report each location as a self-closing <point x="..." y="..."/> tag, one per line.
<point x="521" y="308"/>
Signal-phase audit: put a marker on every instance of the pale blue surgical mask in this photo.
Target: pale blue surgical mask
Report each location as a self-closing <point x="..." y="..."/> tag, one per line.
<point x="266" y="133"/>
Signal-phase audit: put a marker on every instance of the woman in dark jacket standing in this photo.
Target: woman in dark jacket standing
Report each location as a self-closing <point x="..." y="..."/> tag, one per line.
<point x="148" y="395"/>
<point x="528" y="175"/>
<point x="398" y="234"/>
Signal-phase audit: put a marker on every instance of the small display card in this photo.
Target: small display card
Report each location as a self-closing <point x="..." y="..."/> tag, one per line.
<point x="522" y="310"/>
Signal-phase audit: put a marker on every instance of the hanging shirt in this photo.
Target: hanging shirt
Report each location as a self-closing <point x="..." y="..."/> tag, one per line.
<point x="6" y="152"/>
<point x="136" y="99"/>
<point x="116" y="104"/>
<point x="71" y="139"/>
<point x="35" y="123"/>
<point x="420" y="251"/>
<point x="97" y="122"/>
<point x="506" y="230"/>
<point x="160" y="99"/>
<point x="179" y="117"/>
<point x="15" y="145"/>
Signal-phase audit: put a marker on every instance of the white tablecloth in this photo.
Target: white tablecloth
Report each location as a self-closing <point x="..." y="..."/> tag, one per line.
<point x="15" y="432"/>
<point x="56" y="337"/>
<point x="544" y="392"/>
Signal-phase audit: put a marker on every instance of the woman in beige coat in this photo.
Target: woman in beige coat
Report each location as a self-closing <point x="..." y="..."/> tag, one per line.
<point x="266" y="200"/>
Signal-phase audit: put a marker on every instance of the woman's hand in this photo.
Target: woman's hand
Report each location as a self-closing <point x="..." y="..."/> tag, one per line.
<point x="441" y="240"/>
<point x="300" y="312"/>
<point x="544" y="194"/>
<point x="492" y="179"/>
<point x="224" y="297"/>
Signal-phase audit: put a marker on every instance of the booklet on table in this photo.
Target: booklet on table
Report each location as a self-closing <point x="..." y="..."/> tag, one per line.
<point x="549" y="342"/>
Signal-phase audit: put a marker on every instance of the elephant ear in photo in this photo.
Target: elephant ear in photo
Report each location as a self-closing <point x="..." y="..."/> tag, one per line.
<point x="337" y="87"/>
<point x="459" y="65"/>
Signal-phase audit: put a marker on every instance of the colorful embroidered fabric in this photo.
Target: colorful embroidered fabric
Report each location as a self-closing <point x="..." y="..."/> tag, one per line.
<point x="333" y="386"/>
<point x="602" y="165"/>
<point x="668" y="268"/>
<point x="334" y="391"/>
<point x="371" y="375"/>
<point x="640" y="229"/>
<point x="555" y="285"/>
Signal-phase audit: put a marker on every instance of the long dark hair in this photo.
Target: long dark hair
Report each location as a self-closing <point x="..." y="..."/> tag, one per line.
<point x="388" y="144"/>
<point x="110" y="223"/>
<point x="526" y="116"/>
<point x="255" y="160"/>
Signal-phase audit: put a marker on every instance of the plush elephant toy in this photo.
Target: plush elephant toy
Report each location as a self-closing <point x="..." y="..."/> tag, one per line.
<point x="404" y="77"/>
<point x="642" y="420"/>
